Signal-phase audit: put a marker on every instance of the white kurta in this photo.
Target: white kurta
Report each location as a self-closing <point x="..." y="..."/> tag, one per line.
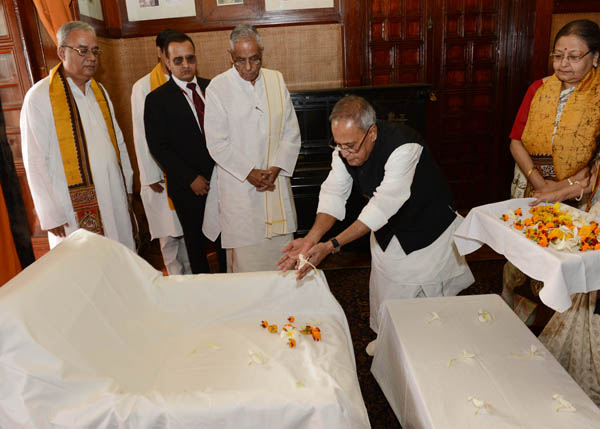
<point x="162" y="221"/>
<point x="237" y="134"/>
<point x="436" y="270"/>
<point x="46" y="174"/>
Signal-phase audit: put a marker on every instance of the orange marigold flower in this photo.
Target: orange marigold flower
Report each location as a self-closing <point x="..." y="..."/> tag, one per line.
<point x="519" y="212"/>
<point x="597" y="246"/>
<point x="528" y="221"/>
<point x="291" y="319"/>
<point x="597" y="231"/>
<point x="543" y="241"/>
<point x="504" y="217"/>
<point x="273" y="329"/>
<point x="307" y="330"/>
<point x="518" y="225"/>
<point x="316" y="334"/>
<point x="264" y="323"/>
<point x="291" y="342"/>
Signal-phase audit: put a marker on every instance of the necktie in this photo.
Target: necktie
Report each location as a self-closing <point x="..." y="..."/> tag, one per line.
<point x="198" y="104"/>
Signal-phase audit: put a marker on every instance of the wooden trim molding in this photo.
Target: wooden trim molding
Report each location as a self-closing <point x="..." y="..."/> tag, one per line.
<point x="576" y="6"/>
<point x="210" y="17"/>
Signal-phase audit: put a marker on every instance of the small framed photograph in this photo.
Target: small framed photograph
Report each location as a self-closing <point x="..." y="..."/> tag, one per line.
<point x="145" y="10"/>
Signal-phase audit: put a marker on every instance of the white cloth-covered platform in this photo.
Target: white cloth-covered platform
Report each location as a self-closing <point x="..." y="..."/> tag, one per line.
<point x="91" y="336"/>
<point x="469" y="362"/>
<point x="563" y="273"/>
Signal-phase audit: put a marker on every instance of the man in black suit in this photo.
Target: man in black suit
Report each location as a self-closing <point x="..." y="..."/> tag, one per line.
<point x="174" y="124"/>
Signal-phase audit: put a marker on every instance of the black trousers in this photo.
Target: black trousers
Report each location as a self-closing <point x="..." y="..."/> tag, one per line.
<point x="190" y="210"/>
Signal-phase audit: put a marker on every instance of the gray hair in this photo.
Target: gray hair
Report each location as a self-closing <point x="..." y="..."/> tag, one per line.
<point x="355" y="109"/>
<point x="244" y="32"/>
<point x="63" y="32"/>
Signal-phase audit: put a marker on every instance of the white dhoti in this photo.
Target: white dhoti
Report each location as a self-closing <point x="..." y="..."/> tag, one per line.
<point x="258" y="257"/>
<point x="436" y="270"/>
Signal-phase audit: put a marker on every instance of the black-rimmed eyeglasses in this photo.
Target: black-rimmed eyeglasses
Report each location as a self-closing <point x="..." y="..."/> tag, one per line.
<point x="332" y="144"/>
<point x="191" y="59"/>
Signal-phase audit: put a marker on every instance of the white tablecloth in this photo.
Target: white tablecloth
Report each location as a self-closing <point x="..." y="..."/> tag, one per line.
<point x="91" y="336"/>
<point x="412" y="364"/>
<point x="563" y="273"/>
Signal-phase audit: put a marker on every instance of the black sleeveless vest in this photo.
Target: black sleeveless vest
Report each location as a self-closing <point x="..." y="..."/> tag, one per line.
<point x="430" y="208"/>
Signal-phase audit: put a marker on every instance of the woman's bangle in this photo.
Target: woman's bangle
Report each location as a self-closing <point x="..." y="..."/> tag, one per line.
<point x="576" y="182"/>
<point x="581" y="194"/>
<point x="529" y="172"/>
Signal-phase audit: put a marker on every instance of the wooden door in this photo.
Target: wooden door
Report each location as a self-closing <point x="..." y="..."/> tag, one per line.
<point x="459" y="46"/>
<point x="15" y="80"/>
<point x="465" y="127"/>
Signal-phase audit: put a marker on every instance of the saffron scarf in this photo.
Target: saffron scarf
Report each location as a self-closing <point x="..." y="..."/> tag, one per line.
<point x="572" y="145"/>
<point x="157" y="78"/>
<point x="73" y="147"/>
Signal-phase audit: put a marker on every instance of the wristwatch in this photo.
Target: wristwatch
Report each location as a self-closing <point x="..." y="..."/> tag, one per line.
<point x="336" y="246"/>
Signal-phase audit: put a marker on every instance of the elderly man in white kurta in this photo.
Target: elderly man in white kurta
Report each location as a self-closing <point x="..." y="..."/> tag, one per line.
<point x="160" y="212"/>
<point x="75" y="157"/>
<point x="252" y="134"/>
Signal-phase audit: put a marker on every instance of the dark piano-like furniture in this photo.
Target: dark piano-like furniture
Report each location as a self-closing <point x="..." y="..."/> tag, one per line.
<point x="402" y="103"/>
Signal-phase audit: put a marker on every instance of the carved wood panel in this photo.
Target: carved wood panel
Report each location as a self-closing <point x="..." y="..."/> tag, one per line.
<point x="471" y="43"/>
<point x="397" y="41"/>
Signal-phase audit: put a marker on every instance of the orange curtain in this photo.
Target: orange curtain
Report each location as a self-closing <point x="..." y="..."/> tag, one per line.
<point x="53" y="14"/>
<point x="9" y="259"/>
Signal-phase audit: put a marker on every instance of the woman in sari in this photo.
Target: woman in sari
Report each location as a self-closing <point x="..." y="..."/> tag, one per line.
<point x="554" y="144"/>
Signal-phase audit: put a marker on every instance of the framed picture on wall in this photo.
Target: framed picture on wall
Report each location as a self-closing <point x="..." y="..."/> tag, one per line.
<point x="91" y="8"/>
<point x="274" y="5"/>
<point x="145" y="10"/>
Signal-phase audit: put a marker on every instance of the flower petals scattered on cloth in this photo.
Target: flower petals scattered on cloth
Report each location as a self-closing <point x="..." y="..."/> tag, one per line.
<point x="289" y="332"/>
<point x="258" y="358"/>
<point x="480" y="406"/>
<point x="464" y="356"/>
<point x="533" y="353"/>
<point x="485" y="316"/>
<point x="563" y="404"/>
<point x="561" y="227"/>
<point x="434" y="317"/>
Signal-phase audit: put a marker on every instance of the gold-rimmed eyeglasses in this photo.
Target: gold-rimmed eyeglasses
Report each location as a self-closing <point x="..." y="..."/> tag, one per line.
<point x="572" y="58"/>
<point x="85" y="50"/>
<point x="332" y="144"/>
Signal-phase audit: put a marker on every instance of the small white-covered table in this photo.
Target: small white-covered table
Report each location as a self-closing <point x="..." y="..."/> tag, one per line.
<point x="469" y="362"/>
<point x="563" y="273"/>
<point x="91" y="336"/>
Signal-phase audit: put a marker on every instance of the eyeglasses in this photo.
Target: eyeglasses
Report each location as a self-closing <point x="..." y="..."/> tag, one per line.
<point x="332" y="144"/>
<point x="571" y="58"/>
<point x="84" y="51"/>
<point x="191" y="59"/>
<point x="241" y="62"/>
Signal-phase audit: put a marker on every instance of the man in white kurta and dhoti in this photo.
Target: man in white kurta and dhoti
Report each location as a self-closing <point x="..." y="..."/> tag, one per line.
<point x="74" y="154"/>
<point x="410" y="213"/>
<point x="160" y="212"/>
<point x="252" y="134"/>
